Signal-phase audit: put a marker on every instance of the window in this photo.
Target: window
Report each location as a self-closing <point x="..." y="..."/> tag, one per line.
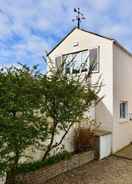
<point x="85" y="61"/>
<point x="81" y="61"/>
<point x="67" y="59"/>
<point x="93" y="57"/>
<point x="76" y="62"/>
<point x="123" y="110"/>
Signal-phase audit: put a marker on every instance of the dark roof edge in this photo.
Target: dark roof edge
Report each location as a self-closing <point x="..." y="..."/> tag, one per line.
<point x="60" y="42"/>
<point x="122" y="47"/>
<point x="96" y="34"/>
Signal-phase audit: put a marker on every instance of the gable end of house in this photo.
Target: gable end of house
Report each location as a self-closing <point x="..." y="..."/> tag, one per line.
<point x="93" y="33"/>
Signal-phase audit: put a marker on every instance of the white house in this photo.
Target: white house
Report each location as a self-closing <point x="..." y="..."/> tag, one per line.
<point x="114" y="62"/>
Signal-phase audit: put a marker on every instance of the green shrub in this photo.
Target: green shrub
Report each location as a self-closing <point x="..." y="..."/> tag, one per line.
<point x="28" y="167"/>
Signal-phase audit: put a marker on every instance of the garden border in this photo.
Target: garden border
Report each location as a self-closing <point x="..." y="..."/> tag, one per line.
<point x="48" y="172"/>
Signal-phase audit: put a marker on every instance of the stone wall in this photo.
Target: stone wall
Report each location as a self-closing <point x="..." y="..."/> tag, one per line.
<point x="42" y="175"/>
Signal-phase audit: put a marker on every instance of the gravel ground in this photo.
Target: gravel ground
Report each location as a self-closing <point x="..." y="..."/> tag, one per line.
<point x="112" y="170"/>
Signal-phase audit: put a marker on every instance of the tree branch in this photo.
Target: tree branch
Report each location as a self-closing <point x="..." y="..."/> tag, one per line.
<point x="51" y="141"/>
<point x="62" y="138"/>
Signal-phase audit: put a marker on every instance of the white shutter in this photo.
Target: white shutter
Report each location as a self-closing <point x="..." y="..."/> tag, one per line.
<point x="58" y="62"/>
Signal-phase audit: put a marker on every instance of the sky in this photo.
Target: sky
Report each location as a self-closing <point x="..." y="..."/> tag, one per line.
<point x="28" y="28"/>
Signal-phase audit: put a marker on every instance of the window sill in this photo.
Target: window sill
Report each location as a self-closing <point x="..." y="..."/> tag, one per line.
<point x="123" y="121"/>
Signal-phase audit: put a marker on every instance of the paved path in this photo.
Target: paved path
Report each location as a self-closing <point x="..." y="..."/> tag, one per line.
<point x="112" y="170"/>
<point x="126" y="152"/>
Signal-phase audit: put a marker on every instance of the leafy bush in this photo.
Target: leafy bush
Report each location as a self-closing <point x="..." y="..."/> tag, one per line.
<point x="20" y="125"/>
<point x="28" y="167"/>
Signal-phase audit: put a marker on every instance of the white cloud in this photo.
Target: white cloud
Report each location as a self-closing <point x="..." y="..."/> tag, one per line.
<point x="115" y="30"/>
<point x="4" y="25"/>
<point x="40" y="24"/>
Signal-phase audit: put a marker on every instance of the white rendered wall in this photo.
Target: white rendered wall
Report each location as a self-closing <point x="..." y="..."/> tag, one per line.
<point x="104" y="110"/>
<point x="122" y="130"/>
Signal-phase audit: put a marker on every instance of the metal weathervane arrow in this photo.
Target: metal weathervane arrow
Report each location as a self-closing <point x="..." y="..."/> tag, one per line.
<point x="79" y="17"/>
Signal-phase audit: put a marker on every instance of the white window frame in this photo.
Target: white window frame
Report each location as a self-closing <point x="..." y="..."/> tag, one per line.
<point x="125" y="118"/>
<point x="98" y="58"/>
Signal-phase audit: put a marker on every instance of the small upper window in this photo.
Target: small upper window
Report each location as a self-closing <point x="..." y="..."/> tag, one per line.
<point x="123" y="110"/>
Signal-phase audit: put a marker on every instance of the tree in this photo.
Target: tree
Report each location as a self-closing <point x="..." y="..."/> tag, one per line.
<point x="29" y="99"/>
<point x="65" y="99"/>
<point x="20" y="123"/>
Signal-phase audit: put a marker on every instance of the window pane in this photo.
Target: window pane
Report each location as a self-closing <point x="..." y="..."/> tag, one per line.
<point x="93" y="59"/>
<point x="68" y="63"/>
<point x="80" y="62"/>
<point x="123" y="109"/>
<point x="85" y="61"/>
<point x="76" y="62"/>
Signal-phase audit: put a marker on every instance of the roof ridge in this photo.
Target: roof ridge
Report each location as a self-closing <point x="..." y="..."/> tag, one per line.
<point x="97" y="34"/>
<point x="109" y="38"/>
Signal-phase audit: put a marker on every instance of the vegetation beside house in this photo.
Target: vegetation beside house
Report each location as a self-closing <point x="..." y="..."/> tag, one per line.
<point x="28" y="99"/>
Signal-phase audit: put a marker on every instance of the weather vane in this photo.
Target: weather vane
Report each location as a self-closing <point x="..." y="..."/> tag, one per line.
<point x="79" y="17"/>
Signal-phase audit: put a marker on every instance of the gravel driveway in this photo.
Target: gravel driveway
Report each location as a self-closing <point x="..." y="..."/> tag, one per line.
<point x="112" y="170"/>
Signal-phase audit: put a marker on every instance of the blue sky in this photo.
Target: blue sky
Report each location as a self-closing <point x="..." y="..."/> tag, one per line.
<point x="29" y="27"/>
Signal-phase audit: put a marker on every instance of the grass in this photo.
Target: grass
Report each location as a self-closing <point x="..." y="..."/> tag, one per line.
<point x="33" y="166"/>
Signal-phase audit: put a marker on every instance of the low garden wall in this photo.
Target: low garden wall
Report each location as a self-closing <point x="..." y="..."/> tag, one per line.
<point x="42" y="175"/>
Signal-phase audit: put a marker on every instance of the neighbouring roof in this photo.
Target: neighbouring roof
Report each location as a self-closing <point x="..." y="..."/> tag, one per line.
<point x="112" y="39"/>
